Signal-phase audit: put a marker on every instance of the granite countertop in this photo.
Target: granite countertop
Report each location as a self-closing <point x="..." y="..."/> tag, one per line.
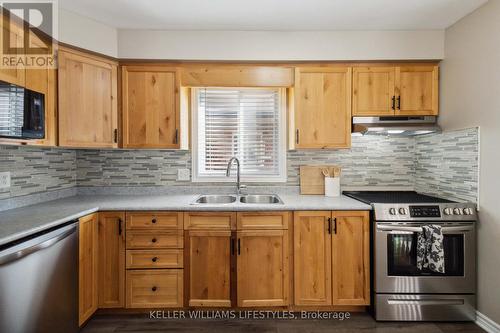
<point x="21" y="222"/>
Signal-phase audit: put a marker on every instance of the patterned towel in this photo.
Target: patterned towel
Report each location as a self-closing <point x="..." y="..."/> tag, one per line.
<point x="430" y="251"/>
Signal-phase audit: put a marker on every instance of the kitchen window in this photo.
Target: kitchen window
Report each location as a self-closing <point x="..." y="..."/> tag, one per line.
<point x="248" y="123"/>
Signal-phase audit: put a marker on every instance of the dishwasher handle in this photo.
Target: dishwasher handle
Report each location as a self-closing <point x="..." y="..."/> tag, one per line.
<point x="29" y="249"/>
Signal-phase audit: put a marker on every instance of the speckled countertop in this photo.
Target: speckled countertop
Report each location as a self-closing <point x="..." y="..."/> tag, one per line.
<point x="21" y="222"/>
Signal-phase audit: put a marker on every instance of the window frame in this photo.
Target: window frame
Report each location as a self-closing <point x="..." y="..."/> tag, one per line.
<point x="282" y="148"/>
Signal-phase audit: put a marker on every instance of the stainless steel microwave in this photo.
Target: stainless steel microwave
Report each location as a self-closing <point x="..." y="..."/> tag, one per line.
<point x="22" y="112"/>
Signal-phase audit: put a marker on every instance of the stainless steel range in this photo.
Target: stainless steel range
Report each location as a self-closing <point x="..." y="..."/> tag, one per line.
<point x="401" y="291"/>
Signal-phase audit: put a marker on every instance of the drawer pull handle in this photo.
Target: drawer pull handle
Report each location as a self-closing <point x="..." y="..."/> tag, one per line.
<point x="153" y="221"/>
<point x="153" y="289"/>
<point x="154" y="240"/>
<point x="154" y="259"/>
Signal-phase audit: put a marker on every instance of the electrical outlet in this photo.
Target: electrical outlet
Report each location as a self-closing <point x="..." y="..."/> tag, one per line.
<point x="5" y="179"/>
<point x="183" y="175"/>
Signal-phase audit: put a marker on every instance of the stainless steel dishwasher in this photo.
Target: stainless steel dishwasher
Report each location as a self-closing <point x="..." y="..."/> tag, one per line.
<point x="39" y="282"/>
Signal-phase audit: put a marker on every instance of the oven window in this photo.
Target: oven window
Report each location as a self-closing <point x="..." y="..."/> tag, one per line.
<point x="402" y="256"/>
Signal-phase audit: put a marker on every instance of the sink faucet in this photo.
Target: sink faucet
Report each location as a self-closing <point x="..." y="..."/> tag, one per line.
<point x="228" y="173"/>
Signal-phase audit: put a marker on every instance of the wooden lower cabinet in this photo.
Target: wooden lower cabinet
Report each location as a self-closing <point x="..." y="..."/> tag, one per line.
<point x="111" y="282"/>
<point x="262" y="268"/>
<point x="351" y="258"/>
<point x="154" y="260"/>
<point x="154" y="288"/>
<point x="312" y="258"/>
<point x="331" y="258"/>
<point x="209" y="270"/>
<point x="87" y="267"/>
<point x="224" y="259"/>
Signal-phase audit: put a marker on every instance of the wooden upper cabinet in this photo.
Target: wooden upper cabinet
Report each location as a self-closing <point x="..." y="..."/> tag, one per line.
<point x="15" y="32"/>
<point x="41" y="80"/>
<point x="312" y="258"/>
<point x="111" y="277"/>
<point x="395" y="91"/>
<point x="351" y="258"/>
<point x="208" y="267"/>
<point x="417" y="90"/>
<point x="150" y="104"/>
<point x="373" y="91"/>
<point x="88" y="259"/>
<point x="262" y="268"/>
<point x="87" y="100"/>
<point x="322" y="107"/>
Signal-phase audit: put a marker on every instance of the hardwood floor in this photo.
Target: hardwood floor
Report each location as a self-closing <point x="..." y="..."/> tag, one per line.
<point x="357" y="323"/>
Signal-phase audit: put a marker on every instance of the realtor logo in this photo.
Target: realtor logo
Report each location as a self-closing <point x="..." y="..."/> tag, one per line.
<point x="28" y="34"/>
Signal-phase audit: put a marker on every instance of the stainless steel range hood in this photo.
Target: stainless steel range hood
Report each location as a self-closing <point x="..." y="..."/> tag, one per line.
<point x="397" y="126"/>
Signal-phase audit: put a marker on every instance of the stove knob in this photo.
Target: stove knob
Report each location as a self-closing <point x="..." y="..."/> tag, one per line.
<point x="392" y="211"/>
<point x="403" y="211"/>
<point x="448" y="211"/>
<point x="457" y="211"/>
<point x="468" y="211"/>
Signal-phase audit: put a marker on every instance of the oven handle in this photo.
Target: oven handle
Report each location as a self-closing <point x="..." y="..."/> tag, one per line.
<point x="425" y="301"/>
<point x="419" y="229"/>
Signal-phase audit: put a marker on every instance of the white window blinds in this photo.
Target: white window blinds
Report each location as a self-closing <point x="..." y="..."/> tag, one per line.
<point x="241" y="122"/>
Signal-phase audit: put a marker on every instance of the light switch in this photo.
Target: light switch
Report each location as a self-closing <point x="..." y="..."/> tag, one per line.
<point x="183" y="175"/>
<point x="5" y="179"/>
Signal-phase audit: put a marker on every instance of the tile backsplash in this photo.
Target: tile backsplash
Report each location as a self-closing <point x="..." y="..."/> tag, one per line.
<point x="37" y="170"/>
<point x="447" y="164"/>
<point x="441" y="164"/>
<point x="370" y="161"/>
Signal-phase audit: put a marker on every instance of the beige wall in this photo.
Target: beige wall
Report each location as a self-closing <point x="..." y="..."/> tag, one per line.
<point x="86" y="33"/>
<point x="470" y="87"/>
<point x="281" y="45"/>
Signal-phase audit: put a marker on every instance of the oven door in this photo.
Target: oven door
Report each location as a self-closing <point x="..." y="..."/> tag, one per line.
<point x="396" y="259"/>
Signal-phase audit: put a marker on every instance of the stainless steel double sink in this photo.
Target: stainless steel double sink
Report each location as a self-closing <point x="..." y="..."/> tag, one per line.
<point x="208" y="199"/>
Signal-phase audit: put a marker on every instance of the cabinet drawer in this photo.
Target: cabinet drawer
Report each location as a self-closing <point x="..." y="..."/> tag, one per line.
<point x="154" y="239"/>
<point x="260" y="221"/>
<point x="154" y="220"/>
<point x="154" y="288"/>
<point x="154" y="259"/>
<point x="208" y="220"/>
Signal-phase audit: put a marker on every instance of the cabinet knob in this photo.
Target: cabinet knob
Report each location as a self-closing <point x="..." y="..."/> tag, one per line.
<point x="154" y="240"/>
<point x="153" y="289"/>
<point x="154" y="259"/>
<point x="153" y="221"/>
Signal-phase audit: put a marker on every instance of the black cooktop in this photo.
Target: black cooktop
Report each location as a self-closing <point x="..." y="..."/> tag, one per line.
<point x="396" y="197"/>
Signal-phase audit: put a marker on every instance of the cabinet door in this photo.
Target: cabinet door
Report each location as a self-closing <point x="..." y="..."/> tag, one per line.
<point x="15" y="75"/>
<point x="209" y="267"/>
<point x="312" y="258"/>
<point x="262" y="266"/>
<point x="373" y="91"/>
<point x="418" y="90"/>
<point x="350" y="258"/>
<point x="323" y="107"/>
<point x="111" y="260"/>
<point x="150" y="107"/>
<point x="87" y="254"/>
<point x="87" y="101"/>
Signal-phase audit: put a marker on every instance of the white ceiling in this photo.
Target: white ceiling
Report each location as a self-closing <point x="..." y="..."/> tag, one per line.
<point x="278" y="15"/>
